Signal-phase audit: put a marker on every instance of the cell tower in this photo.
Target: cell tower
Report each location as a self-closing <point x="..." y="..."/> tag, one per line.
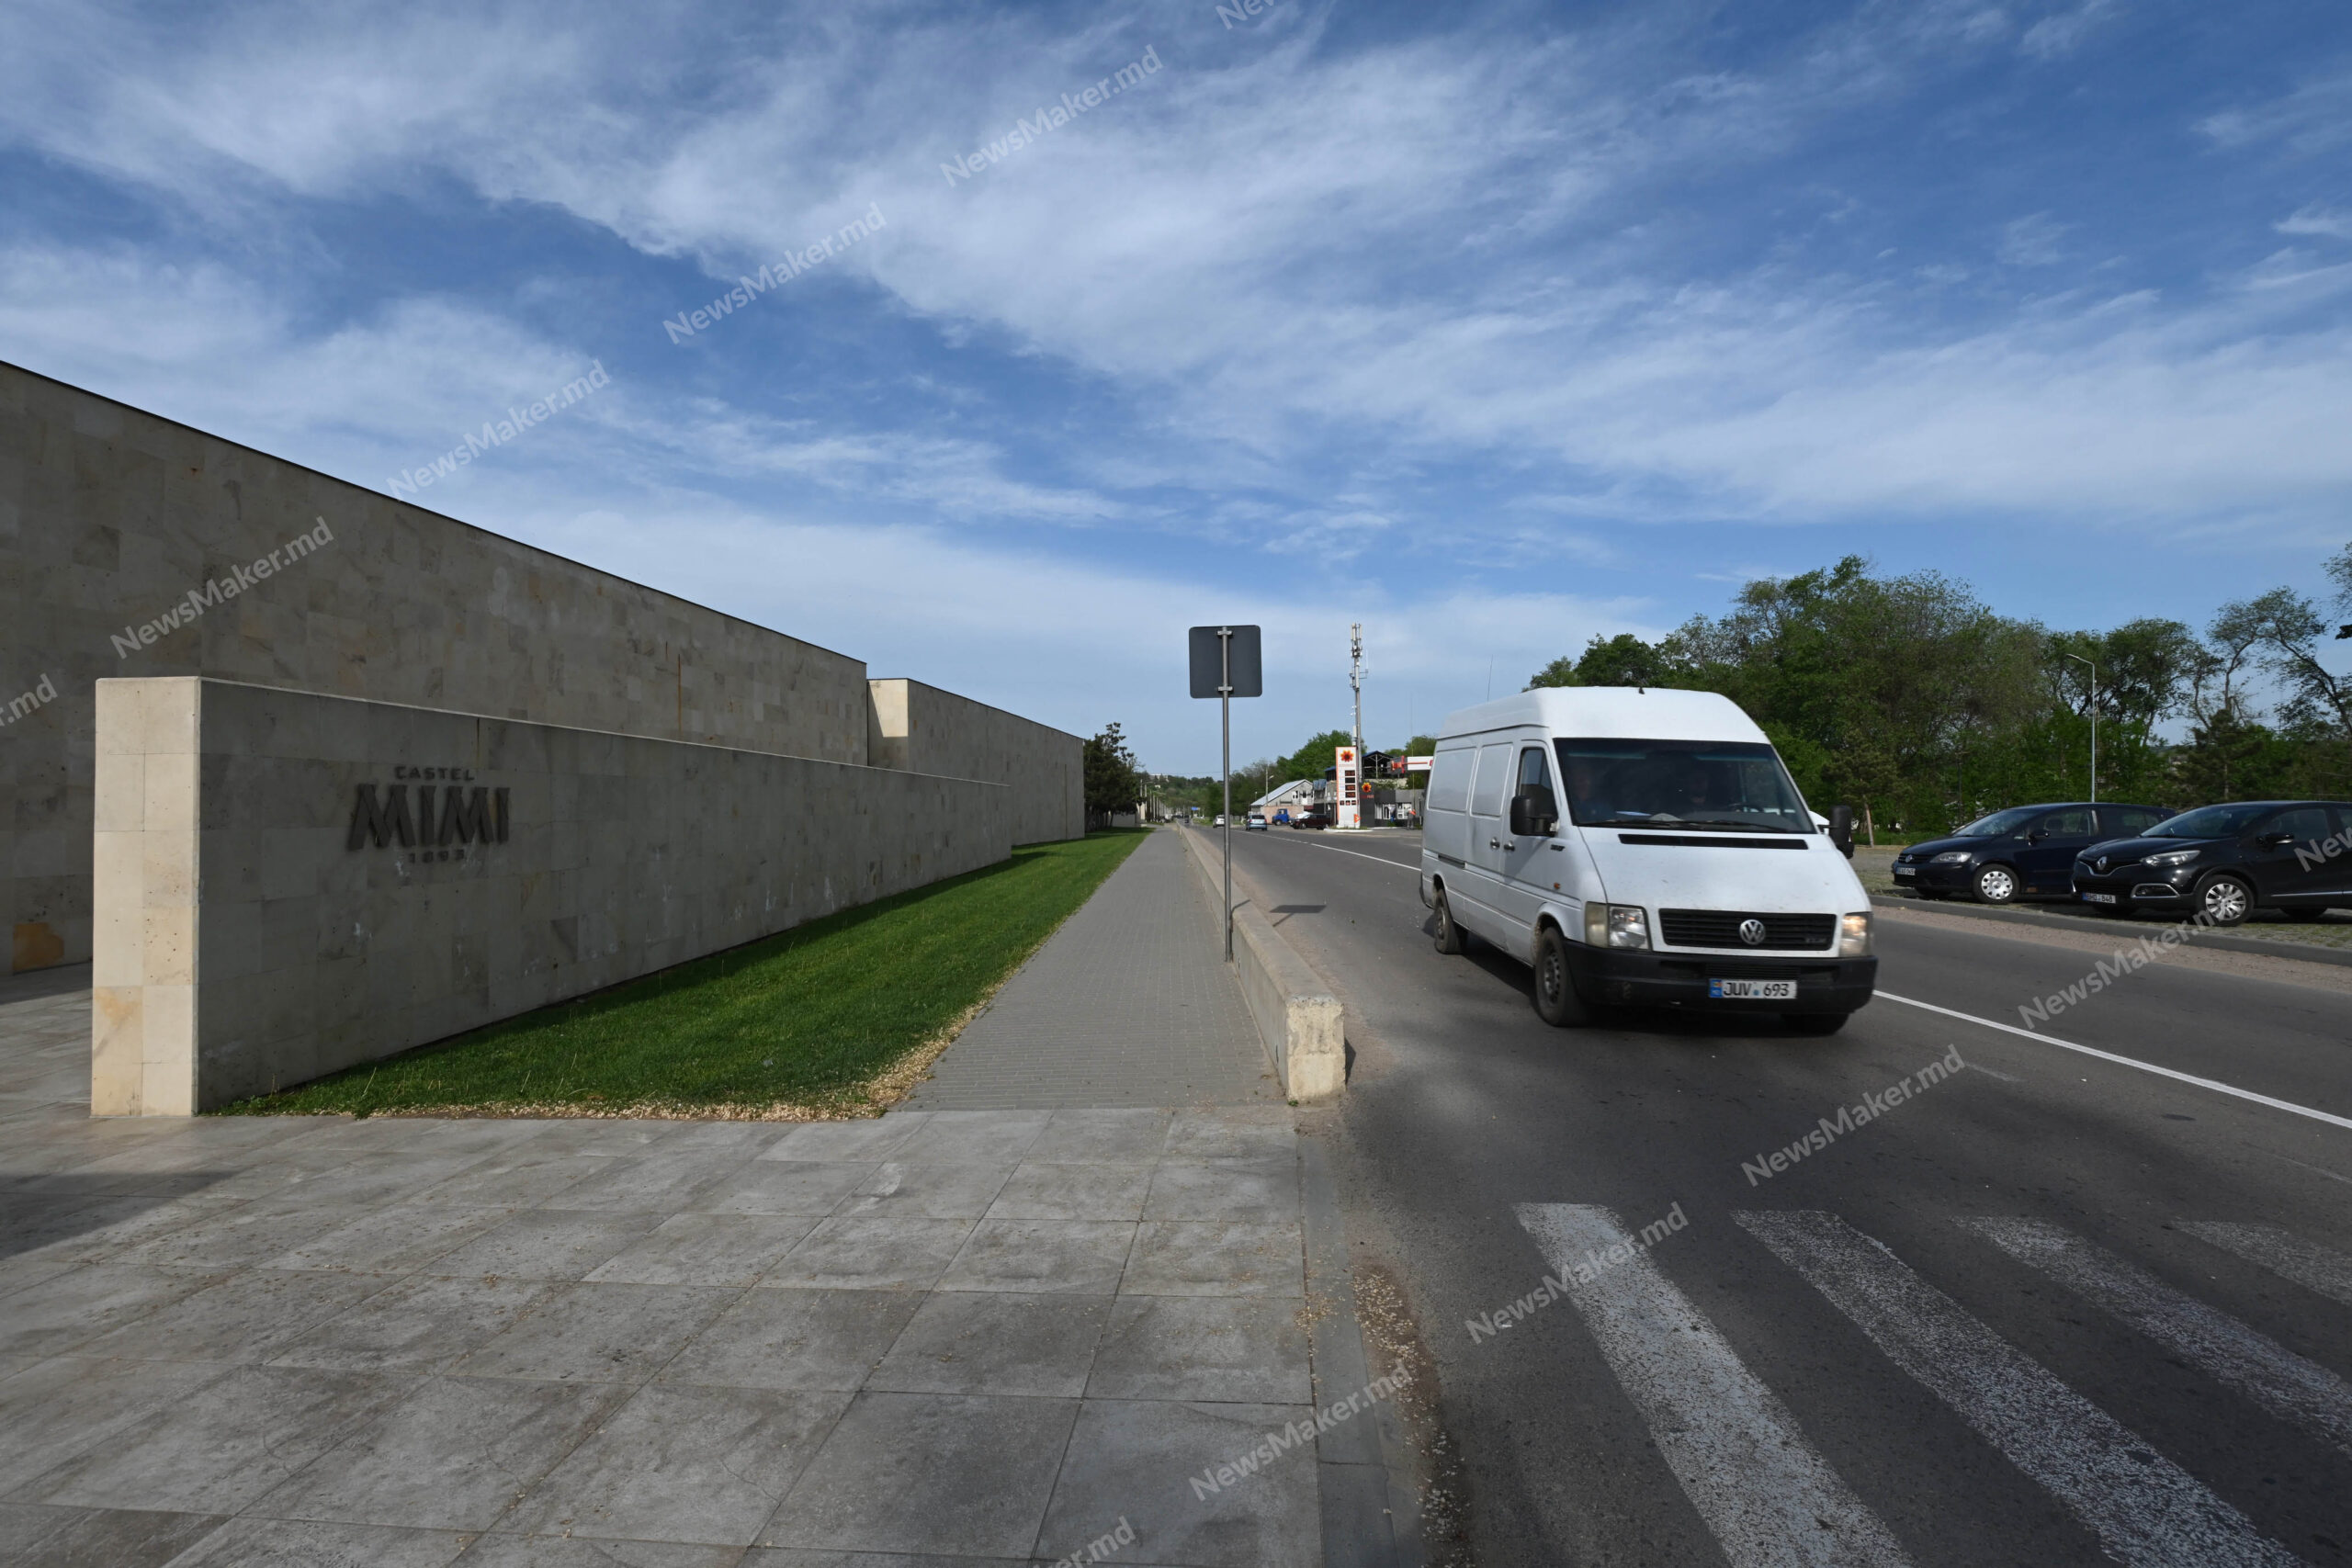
<point x="1355" y="681"/>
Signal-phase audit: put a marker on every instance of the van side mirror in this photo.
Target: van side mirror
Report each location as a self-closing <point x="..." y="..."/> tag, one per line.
<point x="1533" y="811"/>
<point x="1841" y="830"/>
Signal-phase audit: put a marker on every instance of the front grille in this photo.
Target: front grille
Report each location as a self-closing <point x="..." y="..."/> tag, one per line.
<point x="1720" y="928"/>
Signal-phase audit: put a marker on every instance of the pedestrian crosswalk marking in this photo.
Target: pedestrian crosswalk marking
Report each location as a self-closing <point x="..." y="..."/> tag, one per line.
<point x="2286" y="1385"/>
<point x="2308" y="1264"/>
<point x="1769" y="1498"/>
<point x="2143" y="1508"/>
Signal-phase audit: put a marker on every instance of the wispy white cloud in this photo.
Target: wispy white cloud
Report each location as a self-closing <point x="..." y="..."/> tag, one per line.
<point x="2064" y="32"/>
<point x="2316" y="217"/>
<point x="2314" y="118"/>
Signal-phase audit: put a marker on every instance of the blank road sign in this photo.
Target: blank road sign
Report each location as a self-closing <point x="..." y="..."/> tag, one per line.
<point x="1208" y="662"/>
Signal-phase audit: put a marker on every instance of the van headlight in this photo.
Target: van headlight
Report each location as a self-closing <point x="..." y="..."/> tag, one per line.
<point x="1616" y="925"/>
<point x="2172" y="857"/>
<point x="1954" y="857"/>
<point x="1854" y="935"/>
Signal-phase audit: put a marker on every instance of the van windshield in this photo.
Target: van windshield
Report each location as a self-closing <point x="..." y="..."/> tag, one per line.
<point x="1714" y="783"/>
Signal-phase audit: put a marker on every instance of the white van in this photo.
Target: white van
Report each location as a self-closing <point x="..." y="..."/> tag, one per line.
<point x="1644" y="847"/>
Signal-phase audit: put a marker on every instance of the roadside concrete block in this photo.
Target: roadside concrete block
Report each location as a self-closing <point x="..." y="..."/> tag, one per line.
<point x="1301" y="1023"/>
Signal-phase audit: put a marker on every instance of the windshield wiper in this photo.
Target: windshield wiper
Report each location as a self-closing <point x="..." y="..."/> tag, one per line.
<point x="1712" y="822"/>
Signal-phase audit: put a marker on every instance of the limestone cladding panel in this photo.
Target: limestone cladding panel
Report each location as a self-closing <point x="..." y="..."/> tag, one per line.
<point x="109" y="517"/>
<point x="926" y="730"/>
<point x="244" y="945"/>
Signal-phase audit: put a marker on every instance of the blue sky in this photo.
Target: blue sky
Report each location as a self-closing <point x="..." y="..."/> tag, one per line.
<point x="1492" y="327"/>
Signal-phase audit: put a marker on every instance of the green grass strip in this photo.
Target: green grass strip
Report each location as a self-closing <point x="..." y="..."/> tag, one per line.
<point x="812" y="1020"/>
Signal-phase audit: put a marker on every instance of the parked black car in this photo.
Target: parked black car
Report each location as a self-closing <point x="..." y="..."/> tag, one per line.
<point x="2023" y="851"/>
<point x="2222" y="862"/>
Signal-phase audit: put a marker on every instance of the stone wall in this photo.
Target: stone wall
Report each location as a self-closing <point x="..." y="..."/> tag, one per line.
<point x="930" y="731"/>
<point x="244" y="943"/>
<point x="110" y="518"/>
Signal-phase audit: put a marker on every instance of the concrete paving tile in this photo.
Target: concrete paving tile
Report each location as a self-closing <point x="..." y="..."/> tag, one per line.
<point x="928" y="1190"/>
<point x="545" y="1244"/>
<point x="1112" y="1136"/>
<point x="328" y="1178"/>
<point x="596" y="1135"/>
<point x="66" y="1406"/>
<point x="1131" y="1459"/>
<point x="974" y="1136"/>
<point x="598" y="1334"/>
<point x="515" y="1178"/>
<point x="925" y="1472"/>
<point x="1039" y="1191"/>
<point x="38" y="1536"/>
<point x="245" y="1318"/>
<point x="61" y="1223"/>
<point x="420" y="1324"/>
<point x="235" y="1238"/>
<point x="872" y="1138"/>
<point x="996" y="1343"/>
<point x="684" y="1463"/>
<point x="1261" y="1192"/>
<point x="252" y="1542"/>
<point x="661" y="1183"/>
<point x="1183" y="1258"/>
<point x="871" y="1255"/>
<point x="1244" y="1349"/>
<point x="216" y="1453"/>
<point x="554" y="1551"/>
<point x="787" y="1557"/>
<point x="796" y="1338"/>
<point x="706" y="1249"/>
<point x="1234" y="1132"/>
<point x="78" y="1305"/>
<point x="454" y="1455"/>
<point x="1084" y="1257"/>
<point x="399" y="1238"/>
<point x="814" y="1187"/>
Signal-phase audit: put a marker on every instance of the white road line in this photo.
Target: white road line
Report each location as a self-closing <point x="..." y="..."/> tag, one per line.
<point x="1383" y="860"/>
<point x="2258" y="1366"/>
<point x="1769" y="1498"/>
<point x="2217" y="1088"/>
<point x="2144" y="1509"/>
<point x="2313" y="1266"/>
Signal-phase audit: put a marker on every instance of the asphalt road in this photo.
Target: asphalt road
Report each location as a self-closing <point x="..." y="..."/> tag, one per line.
<point x="2051" y="1309"/>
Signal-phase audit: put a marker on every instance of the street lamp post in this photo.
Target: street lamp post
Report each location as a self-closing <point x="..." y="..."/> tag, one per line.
<point x="2094" y="669"/>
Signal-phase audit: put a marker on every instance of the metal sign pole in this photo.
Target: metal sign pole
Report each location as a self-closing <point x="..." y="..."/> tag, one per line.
<point x="1225" y="707"/>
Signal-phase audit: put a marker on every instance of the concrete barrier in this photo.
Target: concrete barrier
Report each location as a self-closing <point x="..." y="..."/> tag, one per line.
<point x="1299" y="1022"/>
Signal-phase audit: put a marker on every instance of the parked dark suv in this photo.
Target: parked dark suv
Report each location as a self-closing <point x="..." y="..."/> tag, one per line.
<point x="2015" y="853"/>
<point x="2222" y="862"/>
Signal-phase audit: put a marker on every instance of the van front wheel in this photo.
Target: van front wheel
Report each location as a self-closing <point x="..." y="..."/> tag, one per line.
<point x="1449" y="935"/>
<point x="1556" y="1002"/>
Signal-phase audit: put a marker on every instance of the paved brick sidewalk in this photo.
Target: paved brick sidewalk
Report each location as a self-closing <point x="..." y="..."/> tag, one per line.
<point x="1131" y="1003"/>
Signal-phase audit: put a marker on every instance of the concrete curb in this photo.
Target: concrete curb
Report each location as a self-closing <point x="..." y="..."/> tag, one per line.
<point x="1299" y="1022"/>
<point x="2123" y="931"/>
<point x="1371" y="1508"/>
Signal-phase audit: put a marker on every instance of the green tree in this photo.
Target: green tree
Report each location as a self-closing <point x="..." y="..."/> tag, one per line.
<point x="1113" y="783"/>
<point x="1621" y="661"/>
<point x="1310" y="761"/>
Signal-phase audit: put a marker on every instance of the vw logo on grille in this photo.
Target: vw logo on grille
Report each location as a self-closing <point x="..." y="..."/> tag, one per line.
<point x="1752" y="932"/>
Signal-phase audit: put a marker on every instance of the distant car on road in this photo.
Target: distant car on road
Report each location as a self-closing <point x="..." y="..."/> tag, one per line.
<point x="2018" y="853"/>
<point x="2222" y="862"/>
<point x="1316" y="817"/>
<point x="1254" y="823"/>
<point x="1221" y="820"/>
